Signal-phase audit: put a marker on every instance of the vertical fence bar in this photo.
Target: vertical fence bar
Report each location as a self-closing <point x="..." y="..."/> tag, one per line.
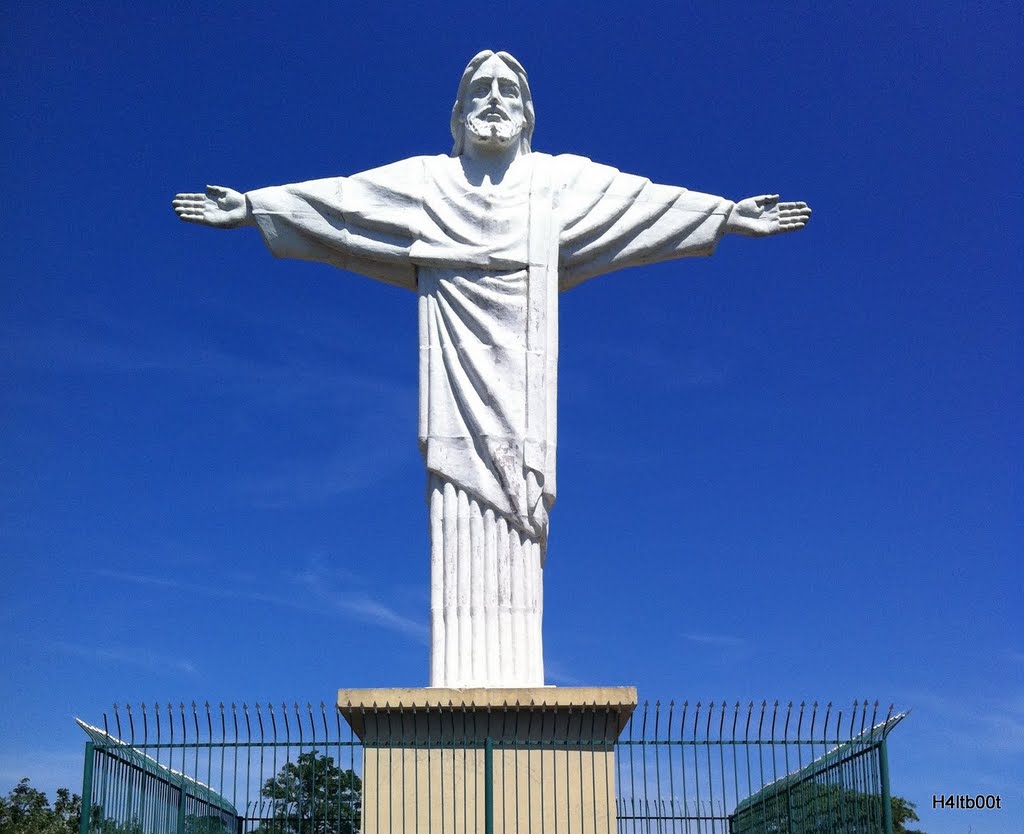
<point x="83" y="825"/>
<point x="883" y="770"/>
<point x="489" y="785"/>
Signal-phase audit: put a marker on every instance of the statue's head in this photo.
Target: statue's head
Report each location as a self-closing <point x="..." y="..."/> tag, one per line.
<point x="493" y="105"/>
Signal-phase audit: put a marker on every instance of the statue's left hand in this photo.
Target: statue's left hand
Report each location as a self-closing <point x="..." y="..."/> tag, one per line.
<point x="220" y="207"/>
<point x="765" y="215"/>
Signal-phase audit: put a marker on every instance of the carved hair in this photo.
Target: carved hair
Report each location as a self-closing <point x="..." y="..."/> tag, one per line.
<point x="458" y="123"/>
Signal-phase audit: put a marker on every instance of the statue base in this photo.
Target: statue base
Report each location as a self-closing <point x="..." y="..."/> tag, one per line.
<point x="497" y="760"/>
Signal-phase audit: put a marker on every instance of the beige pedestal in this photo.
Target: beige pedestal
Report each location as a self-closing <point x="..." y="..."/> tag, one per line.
<point x="425" y="750"/>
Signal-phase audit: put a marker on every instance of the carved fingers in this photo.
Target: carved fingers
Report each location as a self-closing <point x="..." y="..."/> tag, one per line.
<point x="218" y="206"/>
<point x="792" y="216"/>
<point x="190" y="207"/>
<point x="765" y="215"/>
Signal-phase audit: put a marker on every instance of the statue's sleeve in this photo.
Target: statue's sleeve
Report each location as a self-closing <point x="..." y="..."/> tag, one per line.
<point x="610" y="220"/>
<point x="365" y="223"/>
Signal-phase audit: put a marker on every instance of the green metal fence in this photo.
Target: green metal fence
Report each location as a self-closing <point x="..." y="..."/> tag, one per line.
<point x="843" y="791"/>
<point x="713" y="767"/>
<point x="693" y="768"/>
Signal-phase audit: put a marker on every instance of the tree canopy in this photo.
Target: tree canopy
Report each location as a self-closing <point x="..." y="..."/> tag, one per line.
<point x="314" y="796"/>
<point x="904" y="811"/>
<point x="26" y="810"/>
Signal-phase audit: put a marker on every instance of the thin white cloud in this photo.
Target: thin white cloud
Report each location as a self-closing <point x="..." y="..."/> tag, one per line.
<point x="556" y="672"/>
<point x="725" y="641"/>
<point x="321" y="584"/>
<point x="371" y="611"/>
<point x="191" y="359"/>
<point x="365" y="460"/>
<point x="143" y="658"/>
<point x="287" y="383"/>
<point x="315" y="592"/>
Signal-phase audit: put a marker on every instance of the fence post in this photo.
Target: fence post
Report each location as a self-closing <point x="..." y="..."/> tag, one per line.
<point x="488" y="785"/>
<point x="883" y="772"/>
<point x="83" y="823"/>
<point x="181" y="804"/>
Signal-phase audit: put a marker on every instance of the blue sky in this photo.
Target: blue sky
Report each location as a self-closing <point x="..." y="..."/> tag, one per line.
<point x="789" y="471"/>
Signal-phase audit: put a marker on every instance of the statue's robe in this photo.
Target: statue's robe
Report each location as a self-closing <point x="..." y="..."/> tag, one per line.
<point x="488" y="263"/>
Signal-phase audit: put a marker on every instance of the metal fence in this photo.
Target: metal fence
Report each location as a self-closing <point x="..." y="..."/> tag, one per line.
<point x="704" y="768"/>
<point x="713" y="767"/>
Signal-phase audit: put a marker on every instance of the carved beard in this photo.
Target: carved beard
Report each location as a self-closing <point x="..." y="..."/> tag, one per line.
<point x="499" y="133"/>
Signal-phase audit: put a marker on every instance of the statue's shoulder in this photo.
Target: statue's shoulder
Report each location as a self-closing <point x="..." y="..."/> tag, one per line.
<point x="400" y="166"/>
<point x="406" y="177"/>
<point x="572" y="169"/>
<point x="579" y="163"/>
<point x="561" y="160"/>
<point x="571" y="159"/>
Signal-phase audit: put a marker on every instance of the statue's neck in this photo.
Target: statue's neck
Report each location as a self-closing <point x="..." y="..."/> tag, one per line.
<point x="489" y="166"/>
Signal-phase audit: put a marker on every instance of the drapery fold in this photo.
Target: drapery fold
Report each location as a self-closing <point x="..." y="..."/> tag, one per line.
<point x="488" y="262"/>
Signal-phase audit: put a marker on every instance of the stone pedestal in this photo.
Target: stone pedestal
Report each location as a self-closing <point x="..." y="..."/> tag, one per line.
<point x="472" y="760"/>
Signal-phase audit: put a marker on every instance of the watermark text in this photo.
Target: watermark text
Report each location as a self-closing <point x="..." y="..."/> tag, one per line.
<point x="968" y="801"/>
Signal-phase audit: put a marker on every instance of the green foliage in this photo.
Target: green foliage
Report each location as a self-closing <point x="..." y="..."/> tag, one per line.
<point x="98" y="825"/>
<point x="815" y="808"/>
<point x="904" y="811"/>
<point x="207" y="825"/>
<point x="27" y="811"/>
<point x="313" y="796"/>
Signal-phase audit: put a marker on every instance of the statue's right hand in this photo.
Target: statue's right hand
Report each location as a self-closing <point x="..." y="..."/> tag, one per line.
<point x="223" y="208"/>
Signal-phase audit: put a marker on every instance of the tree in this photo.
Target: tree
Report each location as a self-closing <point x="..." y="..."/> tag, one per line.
<point x="26" y="810"/>
<point x="213" y="824"/>
<point x="314" y="796"/>
<point x="99" y="825"/>
<point x="904" y="811"/>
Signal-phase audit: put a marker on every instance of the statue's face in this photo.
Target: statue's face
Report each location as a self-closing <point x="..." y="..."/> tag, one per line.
<point x="493" y="106"/>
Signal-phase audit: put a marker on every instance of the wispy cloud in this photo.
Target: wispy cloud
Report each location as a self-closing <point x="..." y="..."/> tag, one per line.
<point x="142" y="658"/>
<point x="321" y="584"/>
<point x="313" y="590"/>
<point x="225" y="591"/>
<point x="290" y="381"/>
<point x="188" y="358"/>
<point x="366" y="459"/>
<point x="725" y="641"/>
<point x="557" y="672"/>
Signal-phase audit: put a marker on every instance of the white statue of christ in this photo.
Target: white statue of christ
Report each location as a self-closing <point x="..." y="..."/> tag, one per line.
<point x="487" y="237"/>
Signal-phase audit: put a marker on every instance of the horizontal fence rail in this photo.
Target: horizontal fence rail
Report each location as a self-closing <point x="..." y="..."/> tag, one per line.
<point x="693" y="768"/>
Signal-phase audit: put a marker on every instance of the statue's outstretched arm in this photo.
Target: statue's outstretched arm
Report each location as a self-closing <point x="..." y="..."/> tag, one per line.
<point x="220" y="207"/>
<point x="765" y="215"/>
